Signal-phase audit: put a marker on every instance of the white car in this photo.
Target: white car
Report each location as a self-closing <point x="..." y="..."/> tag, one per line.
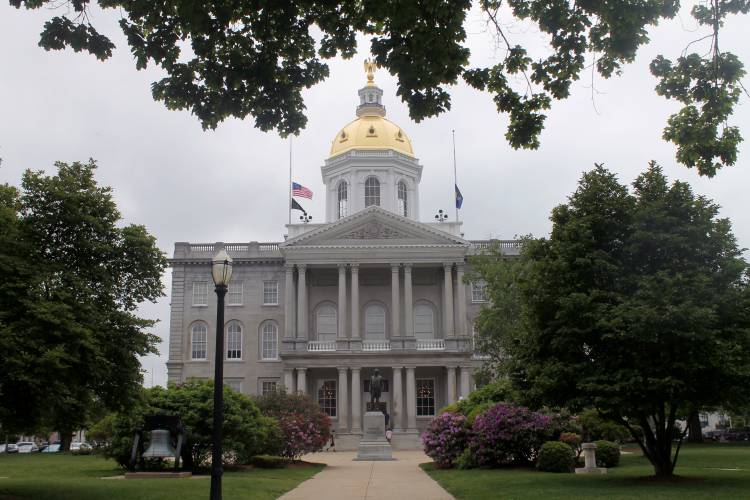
<point x="79" y="446"/>
<point x="27" y="447"/>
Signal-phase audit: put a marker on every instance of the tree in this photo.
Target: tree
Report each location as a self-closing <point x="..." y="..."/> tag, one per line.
<point x="254" y="59"/>
<point x="70" y="281"/>
<point x="637" y="305"/>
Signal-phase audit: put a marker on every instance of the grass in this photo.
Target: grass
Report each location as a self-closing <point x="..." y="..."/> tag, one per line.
<point x="698" y="469"/>
<point x="67" y="477"/>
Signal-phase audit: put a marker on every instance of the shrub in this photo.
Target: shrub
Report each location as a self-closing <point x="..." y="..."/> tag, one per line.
<point x="607" y="454"/>
<point x="556" y="456"/>
<point x="498" y="391"/>
<point x="573" y="440"/>
<point x="445" y="438"/>
<point x="507" y="434"/>
<point x="245" y="431"/>
<point x="595" y="427"/>
<point x="268" y="462"/>
<point x="466" y="460"/>
<point x="305" y="428"/>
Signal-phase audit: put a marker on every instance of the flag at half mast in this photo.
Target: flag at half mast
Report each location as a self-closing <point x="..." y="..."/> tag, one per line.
<point x="459" y="197"/>
<point x="301" y="191"/>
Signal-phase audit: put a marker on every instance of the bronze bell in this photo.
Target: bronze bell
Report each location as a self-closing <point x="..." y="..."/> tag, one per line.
<point x="160" y="446"/>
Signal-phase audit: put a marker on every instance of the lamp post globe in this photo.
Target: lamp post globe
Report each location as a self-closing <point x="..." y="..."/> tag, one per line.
<point x="221" y="271"/>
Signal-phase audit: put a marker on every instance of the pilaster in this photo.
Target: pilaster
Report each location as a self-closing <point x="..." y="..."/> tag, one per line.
<point x="356" y="401"/>
<point x="448" y="329"/>
<point x="302" y="301"/>
<point x="289" y="292"/>
<point x="343" y="400"/>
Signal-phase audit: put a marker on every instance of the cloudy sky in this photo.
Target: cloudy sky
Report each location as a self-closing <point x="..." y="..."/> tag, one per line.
<point x="230" y="184"/>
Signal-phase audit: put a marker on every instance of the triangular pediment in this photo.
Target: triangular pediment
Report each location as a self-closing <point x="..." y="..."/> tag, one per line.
<point x="374" y="226"/>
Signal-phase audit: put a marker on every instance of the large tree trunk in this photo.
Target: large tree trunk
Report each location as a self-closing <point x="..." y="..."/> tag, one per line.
<point x="66" y="436"/>
<point x="695" y="433"/>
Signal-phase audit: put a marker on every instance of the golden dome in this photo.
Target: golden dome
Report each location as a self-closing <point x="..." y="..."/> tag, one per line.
<point x="371" y="132"/>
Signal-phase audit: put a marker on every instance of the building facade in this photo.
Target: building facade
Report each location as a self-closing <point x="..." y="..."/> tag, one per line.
<point x="372" y="287"/>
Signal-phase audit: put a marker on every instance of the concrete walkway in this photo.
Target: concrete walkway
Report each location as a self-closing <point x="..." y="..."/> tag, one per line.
<point x="344" y="479"/>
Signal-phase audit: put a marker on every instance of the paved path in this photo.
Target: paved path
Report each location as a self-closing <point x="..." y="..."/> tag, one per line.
<point x="344" y="479"/>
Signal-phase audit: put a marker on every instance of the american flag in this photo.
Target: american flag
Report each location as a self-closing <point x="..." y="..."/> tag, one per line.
<point x="301" y="191"/>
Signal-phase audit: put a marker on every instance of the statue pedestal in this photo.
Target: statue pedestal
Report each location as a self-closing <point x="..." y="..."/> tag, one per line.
<point x="374" y="445"/>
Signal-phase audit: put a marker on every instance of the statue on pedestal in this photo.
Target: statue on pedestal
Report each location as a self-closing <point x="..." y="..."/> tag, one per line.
<point x="376" y="386"/>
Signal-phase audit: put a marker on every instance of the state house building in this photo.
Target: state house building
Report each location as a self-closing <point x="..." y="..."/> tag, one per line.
<point x="372" y="287"/>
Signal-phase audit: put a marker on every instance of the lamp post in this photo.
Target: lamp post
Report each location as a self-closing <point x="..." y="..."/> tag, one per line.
<point x="221" y="271"/>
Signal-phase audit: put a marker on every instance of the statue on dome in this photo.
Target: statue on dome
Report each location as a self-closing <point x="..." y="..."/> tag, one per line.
<point x="370" y="67"/>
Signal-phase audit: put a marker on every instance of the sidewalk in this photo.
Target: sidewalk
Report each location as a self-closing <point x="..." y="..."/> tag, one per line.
<point x="344" y="479"/>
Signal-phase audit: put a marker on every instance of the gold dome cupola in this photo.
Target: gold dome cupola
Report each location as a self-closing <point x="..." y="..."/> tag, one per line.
<point x="371" y="130"/>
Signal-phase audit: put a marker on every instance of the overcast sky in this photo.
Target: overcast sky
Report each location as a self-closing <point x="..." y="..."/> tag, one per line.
<point x="230" y="184"/>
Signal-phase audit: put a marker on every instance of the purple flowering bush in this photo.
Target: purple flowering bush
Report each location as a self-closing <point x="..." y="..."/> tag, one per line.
<point x="445" y="438"/>
<point x="509" y="435"/>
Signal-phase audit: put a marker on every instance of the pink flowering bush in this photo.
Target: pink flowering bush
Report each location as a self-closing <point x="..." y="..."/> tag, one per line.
<point x="304" y="426"/>
<point x="445" y="438"/>
<point x="509" y="435"/>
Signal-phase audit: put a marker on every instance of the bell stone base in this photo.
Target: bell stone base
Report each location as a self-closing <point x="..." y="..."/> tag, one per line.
<point x="157" y="475"/>
<point x="591" y="470"/>
<point x="374" y="445"/>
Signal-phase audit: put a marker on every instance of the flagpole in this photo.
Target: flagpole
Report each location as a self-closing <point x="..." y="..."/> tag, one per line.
<point x="289" y="187"/>
<point x="455" y="177"/>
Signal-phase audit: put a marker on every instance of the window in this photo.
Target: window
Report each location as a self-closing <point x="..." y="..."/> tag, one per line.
<point x="343" y="199"/>
<point x="375" y="322"/>
<point x="200" y="293"/>
<point x="327" y="397"/>
<point x="269" y="341"/>
<point x="424" y="322"/>
<point x="425" y="397"/>
<point x="234" y="341"/>
<point x="402" y="207"/>
<point x="372" y="191"/>
<point x="704" y="419"/>
<point x="326" y="323"/>
<point x="235" y="293"/>
<point x="233" y="383"/>
<point x="270" y="293"/>
<point x="268" y="387"/>
<point x="199" y="341"/>
<point x="479" y="291"/>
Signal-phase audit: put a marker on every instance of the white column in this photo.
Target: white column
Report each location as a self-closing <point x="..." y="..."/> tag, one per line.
<point x="411" y="399"/>
<point x="343" y="400"/>
<point x="289" y="380"/>
<point x="342" y="302"/>
<point x="398" y="399"/>
<point x="465" y="381"/>
<point x="408" y="303"/>
<point x="301" y="302"/>
<point x="395" y="295"/>
<point x="355" y="301"/>
<point x="356" y="401"/>
<point x="451" y="384"/>
<point x="302" y="380"/>
<point x="461" y="329"/>
<point x="448" y="301"/>
<point x="289" y="318"/>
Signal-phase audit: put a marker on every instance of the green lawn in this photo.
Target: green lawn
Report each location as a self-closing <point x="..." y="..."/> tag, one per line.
<point x="66" y="477"/>
<point x="698" y="469"/>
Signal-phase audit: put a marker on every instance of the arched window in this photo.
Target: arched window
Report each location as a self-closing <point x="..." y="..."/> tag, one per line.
<point x="402" y="207"/>
<point x="372" y="191"/>
<point x="269" y="341"/>
<point x="199" y="341"/>
<point x="375" y="322"/>
<point x="325" y="320"/>
<point x="343" y="199"/>
<point x="424" y="322"/>
<point x="234" y="341"/>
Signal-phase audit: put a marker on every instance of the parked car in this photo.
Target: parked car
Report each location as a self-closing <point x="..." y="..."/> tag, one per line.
<point x="738" y="434"/>
<point x="10" y="448"/>
<point x="27" y="447"/>
<point x="80" y="446"/>
<point x="51" y="448"/>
